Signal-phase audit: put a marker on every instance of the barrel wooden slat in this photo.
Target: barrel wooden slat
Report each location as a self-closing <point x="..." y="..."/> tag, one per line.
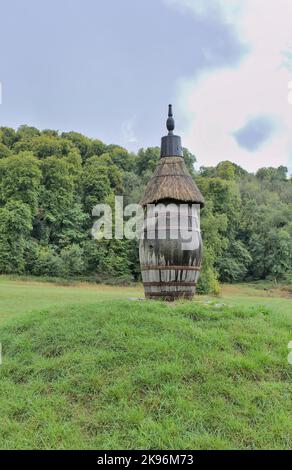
<point x="170" y="266"/>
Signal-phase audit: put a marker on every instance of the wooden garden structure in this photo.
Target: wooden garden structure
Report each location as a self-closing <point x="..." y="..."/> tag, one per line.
<point x="171" y="247"/>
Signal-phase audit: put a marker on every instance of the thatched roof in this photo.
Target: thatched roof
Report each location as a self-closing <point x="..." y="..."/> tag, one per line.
<point x="172" y="180"/>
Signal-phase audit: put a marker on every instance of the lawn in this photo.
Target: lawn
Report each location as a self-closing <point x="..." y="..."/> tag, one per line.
<point x="85" y="368"/>
<point x="19" y="296"/>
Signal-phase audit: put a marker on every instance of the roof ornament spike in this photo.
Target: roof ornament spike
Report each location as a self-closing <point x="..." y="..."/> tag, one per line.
<point x="170" y="124"/>
<point x="171" y="144"/>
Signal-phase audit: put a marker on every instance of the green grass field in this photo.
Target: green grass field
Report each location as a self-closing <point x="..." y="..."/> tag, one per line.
<point x="85" y="368"/>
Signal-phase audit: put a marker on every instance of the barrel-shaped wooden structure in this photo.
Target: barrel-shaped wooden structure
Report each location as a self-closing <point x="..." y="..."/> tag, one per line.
<point x="170" y="251"/>
<point x="171" y="246"/>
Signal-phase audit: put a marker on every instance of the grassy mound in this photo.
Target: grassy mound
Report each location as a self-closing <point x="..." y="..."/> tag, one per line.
<point x="146" y="375"/>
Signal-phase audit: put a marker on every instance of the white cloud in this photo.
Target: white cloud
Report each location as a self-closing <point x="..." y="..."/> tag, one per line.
<point x="218" y="103"/>
<point x="128" y="131"/>
<point x="229" y="9"/>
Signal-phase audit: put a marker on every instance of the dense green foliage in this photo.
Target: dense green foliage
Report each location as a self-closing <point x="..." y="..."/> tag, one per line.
<point x="50" y="182"/>
<point x="145" y="375"/>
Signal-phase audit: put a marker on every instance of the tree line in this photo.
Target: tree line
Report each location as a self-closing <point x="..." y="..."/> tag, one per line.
<point x="50" y="181"/>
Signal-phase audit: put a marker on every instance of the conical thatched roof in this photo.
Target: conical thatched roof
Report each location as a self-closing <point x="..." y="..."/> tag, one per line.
<point x="172" y="180"/>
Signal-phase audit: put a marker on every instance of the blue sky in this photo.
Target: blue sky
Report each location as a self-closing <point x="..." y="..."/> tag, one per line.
<point x="109" y="69"/>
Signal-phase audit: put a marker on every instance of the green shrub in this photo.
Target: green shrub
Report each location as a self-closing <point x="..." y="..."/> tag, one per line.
<point x="208" y="282"/>
<point x="47" y="263"/>
<point x="72" y="260"/>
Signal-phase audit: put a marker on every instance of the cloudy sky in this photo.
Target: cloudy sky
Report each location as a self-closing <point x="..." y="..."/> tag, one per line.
<point x="109" y="68"/>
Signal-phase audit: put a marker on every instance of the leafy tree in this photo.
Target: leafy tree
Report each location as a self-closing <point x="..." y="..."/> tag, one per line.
<point x="121" y="158"/>
<point x="27" y="132"/>
<point x="15" y="227"/>
<point x="234" y="262"/>
<point x="96" y="187"/>
<point x="97" y="148"/>
<point x="43" y="146"/>
<point x="271" y="254"/>
<point x="20" y="178"/>
<point x="7" y="136"/>
<point x="74" y="164"/>
<point x="226" y="170"/>
<point x="109" y="258"/>
<point x="147" y="160"/>
<point x="4" y="151"/>
<point x="50" y="133"/>
<point x="56" y="198"/>
<point x="104" y="164"/>
<point x="80" y="141"/>
<point x="47" y="263"/>
<point x="73" y="226"/>
<point x="272" y="174"/>
<point x="208" y="280"/>
<point x="72" y="260"/>
<point x="133" y="188"/>
<point x="86" y="146"/>
<point x="213" y="227"/>
<point x="190" y="160"/>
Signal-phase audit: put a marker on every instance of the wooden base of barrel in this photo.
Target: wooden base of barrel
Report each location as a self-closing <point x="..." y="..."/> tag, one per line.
<point x="170" y="252"/>
<point x="169" y="282"/>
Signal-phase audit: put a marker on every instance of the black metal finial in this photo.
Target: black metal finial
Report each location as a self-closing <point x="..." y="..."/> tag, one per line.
<point x="171" y="144"/>
<point x="170" y="121"/>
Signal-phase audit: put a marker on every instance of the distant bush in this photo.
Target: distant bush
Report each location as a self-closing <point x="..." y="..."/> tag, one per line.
<point x="208" y="282"/>
<point x="72" y="263"/>
<point x="47" y="263"/>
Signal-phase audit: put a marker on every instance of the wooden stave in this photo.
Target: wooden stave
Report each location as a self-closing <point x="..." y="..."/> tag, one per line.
<point x="164" y="279"/>
<point x="159" y="274"/>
